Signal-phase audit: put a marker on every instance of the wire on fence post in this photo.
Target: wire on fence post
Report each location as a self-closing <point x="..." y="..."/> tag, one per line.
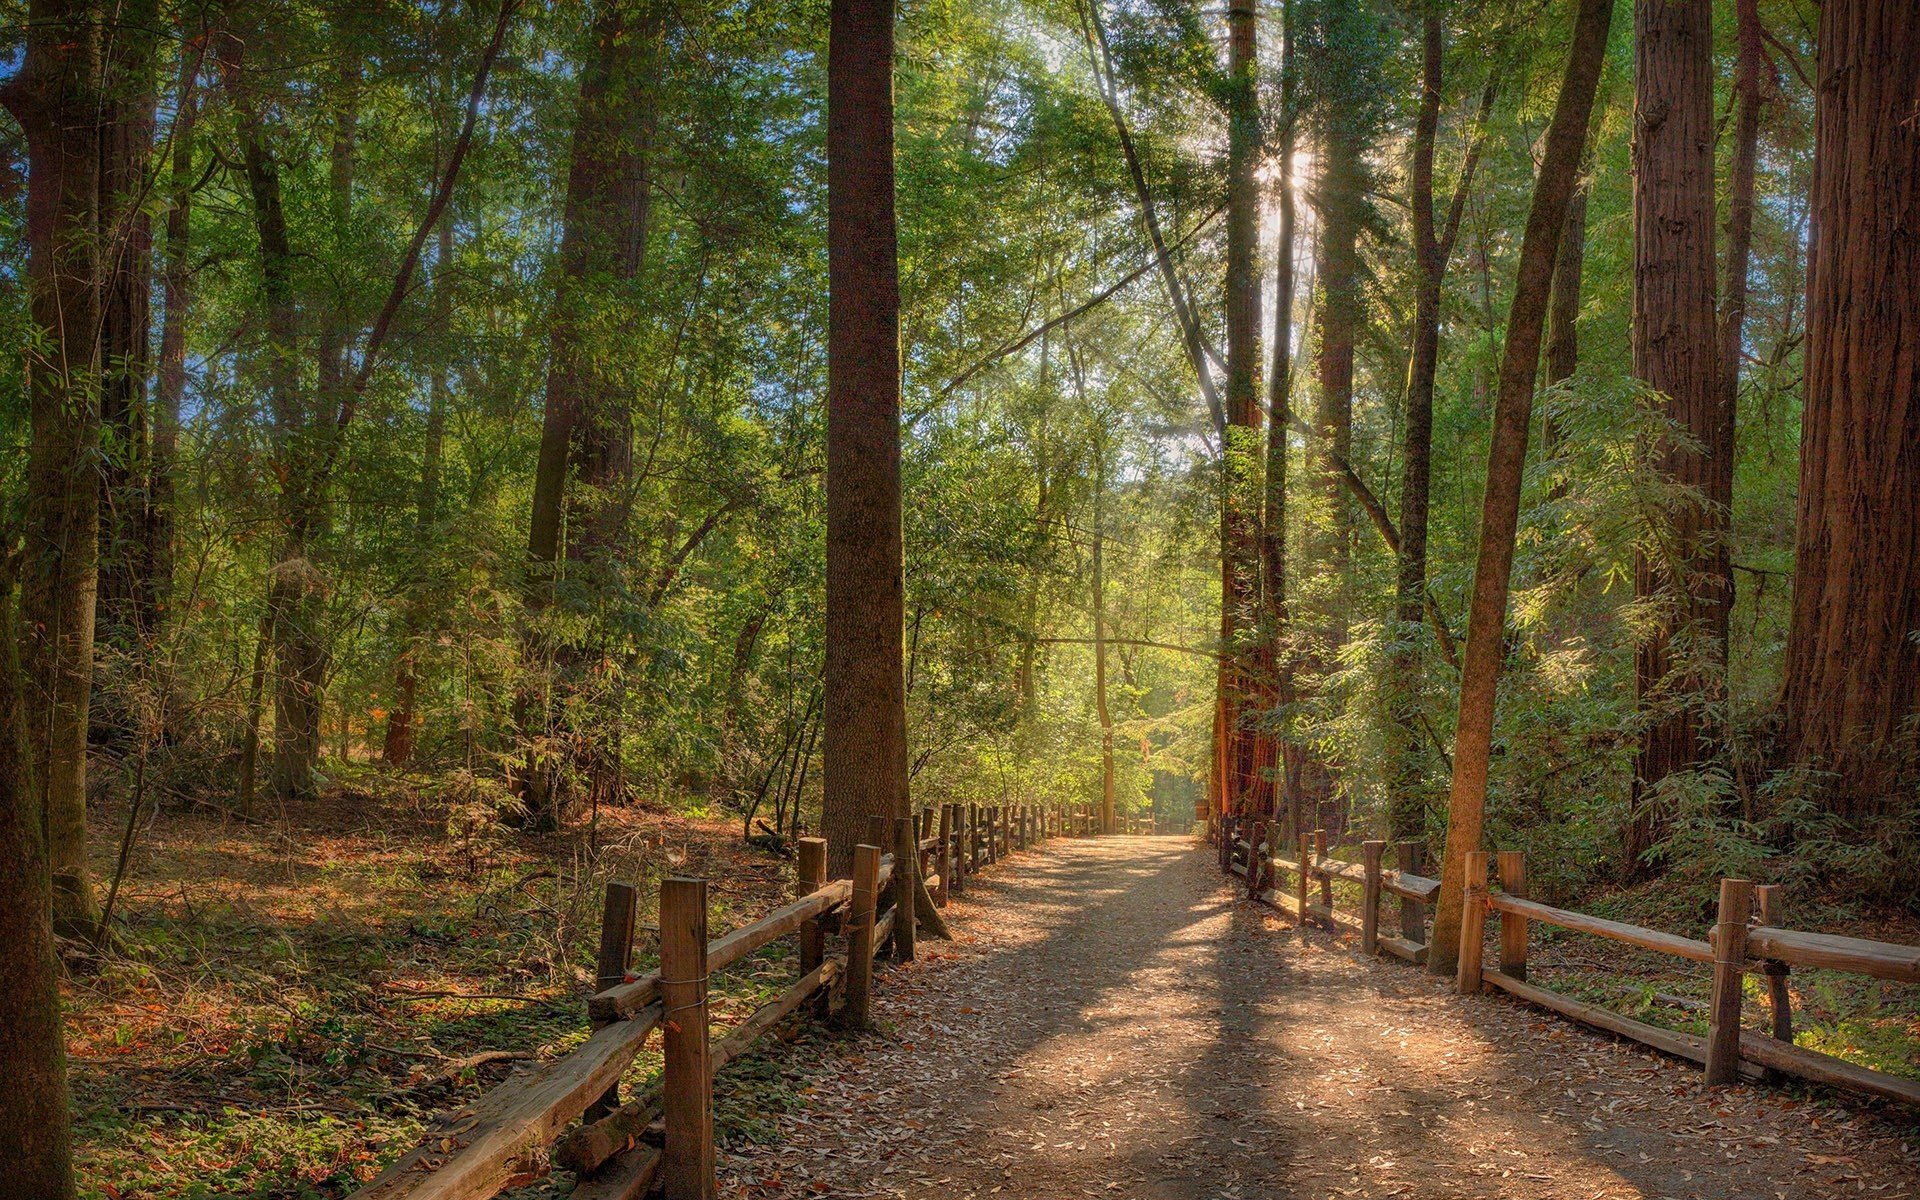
<point x="866" y="886"/>
<point x="610" y="969"/>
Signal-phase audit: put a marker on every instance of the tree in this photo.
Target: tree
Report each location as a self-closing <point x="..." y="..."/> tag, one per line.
<point x="1276" y="659"/>
<point x="1506" y="462"/>
<point x="56" y="98"/>
<point x="865" y="713"/>
<point x="1247" y="786"/>
<point x="580" y="500"/>
<point x="35" y="1125"/>
<point x="1853" y="662"/>
<point x="1681" y="664"/>
<point x="1433" y="243"/>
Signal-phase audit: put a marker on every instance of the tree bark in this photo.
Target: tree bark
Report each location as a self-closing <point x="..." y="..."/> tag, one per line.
<point x="36" y="1156"/>
<point x="1102" y="710"/>
<point x="585" y="468"/>
<point x="1675" y="347"/>
<point x="1276" y="659"/>
<point x="865" y="705"/>
<point x="1242" y="698"/>
<point x="126" y="606"/>
<point x="55" y="99"/>
<point x="1853" y="664"/>
<point x="1506" y="463"/>
<point x="1563" y="311"/>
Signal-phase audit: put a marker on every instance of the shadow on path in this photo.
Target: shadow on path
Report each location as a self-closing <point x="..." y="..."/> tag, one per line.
<point x="1113" y="1023"/>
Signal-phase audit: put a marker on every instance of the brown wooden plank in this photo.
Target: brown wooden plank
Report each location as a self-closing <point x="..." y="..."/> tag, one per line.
<point x="1411" y="887"/>
<point x="1647" y="939"/>
<point x="1414" y="952"/>
<point x="741" y="1038"/>
<point x="1667" y="1041"/>
<point x="1824" y="1068"/>
<point x="629" y="1178"/>
<point x="478" y="1148"/>
<point x="1881" y="960"/>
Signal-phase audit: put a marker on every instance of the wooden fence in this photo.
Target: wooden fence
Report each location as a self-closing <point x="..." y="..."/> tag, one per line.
<point x="1746" y="940"/>
<point x="621" y="1149"/>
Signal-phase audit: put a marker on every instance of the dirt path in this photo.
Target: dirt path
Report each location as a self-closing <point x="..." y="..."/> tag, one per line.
<point x="1112" y="1023"/>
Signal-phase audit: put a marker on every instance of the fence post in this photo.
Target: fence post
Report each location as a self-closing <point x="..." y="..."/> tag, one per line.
<point x="1513" y="928"/>
<point x="812" y="877"/>
<point x="1413" y="926"/>
<point x="1326" y="881"/>
<point x="1306" y="856"/>
<point x="1766" y="903"/>
<point x="610" y="970"/>
<point x="1370" y="853"/>
<point x="866" y="885"/>
<point x="943" y="858"/>
<point x="972" y="848"/>
<point x="687" y="1093"/>
<point x="1473" y="925"/>
<point x="1729" y="966"/>
<point x="906" y="869"/>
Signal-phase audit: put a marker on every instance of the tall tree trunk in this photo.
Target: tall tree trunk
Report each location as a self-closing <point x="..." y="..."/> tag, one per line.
<point x="176" y="277"/>
<point x="1243" y="699"/>
<point x="1102" y="710"/>
<point x="397" y="748"/>
<point x="125" y="606"/>
<point x="865" y="709"/>
<point x="586" y="462"/>
<point x="1276" y="659"/>
<point x="55" y="98"/>
<point x="1340" y="200"/>
<point x="1675" y="346"/>
<point x="1853" y="664"/>
<point x="36" y="1154"/>
<point x="1506" y="463"/>
<point x="1750" y="83"/>
<point x="1563" y="311"/>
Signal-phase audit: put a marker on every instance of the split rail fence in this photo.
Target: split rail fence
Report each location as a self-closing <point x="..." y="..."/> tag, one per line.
<point x="1747" y="940"/>
<point x="663" y="1137"/>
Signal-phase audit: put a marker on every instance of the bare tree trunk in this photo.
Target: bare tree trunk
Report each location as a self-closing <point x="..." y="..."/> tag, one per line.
<point x="1506" y="463"/>
<point x="1853" y="665"/>
<point x="1675" y="345"/>
<point x="1276" y="660"/>
<point x="865" y="710"/>
<point x="1433" y="250"/>
<point x="1243" y="701"/>
<point x="1100" y="704"/>
<point x="126" y="606"/>
<point x="55" y="99"/>
<point x="36" y="1155"/>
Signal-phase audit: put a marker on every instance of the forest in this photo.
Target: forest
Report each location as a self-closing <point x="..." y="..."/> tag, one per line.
<point x="456" y="454"/>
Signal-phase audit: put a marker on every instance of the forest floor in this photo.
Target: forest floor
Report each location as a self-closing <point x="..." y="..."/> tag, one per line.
<point x="288" y="1002"/>
<point x="1112" y="1021"/>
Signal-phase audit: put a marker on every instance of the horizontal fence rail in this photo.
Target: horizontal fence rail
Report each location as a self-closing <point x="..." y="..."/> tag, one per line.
<point x="569" y="1112"/>
<point x="1746" y="941"/>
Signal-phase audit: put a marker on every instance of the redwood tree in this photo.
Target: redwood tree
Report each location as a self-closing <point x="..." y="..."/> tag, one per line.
<point x="56" y="99"/>
<point x="1506" y="466"/>
<point x="865" y="713"/>
<point x="1675" y="351"/>
<point x="1853" y="661"/>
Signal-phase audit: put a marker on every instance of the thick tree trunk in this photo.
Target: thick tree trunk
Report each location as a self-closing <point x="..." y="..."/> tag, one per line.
<point x="1853" y="664"/>
<point x="585" y="467"/>
<point x="126" y="606"/>
<point x="865" y="707"/>
<point x="36" y="1157"/>
<point x="55" y="98"/>
<point x="1276" y="657"/>
<point x="1506" y="463"/>
<point x="1339" y="197"/>
<point x="1243" y="698"/>
<point x="1675" y="348"/>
